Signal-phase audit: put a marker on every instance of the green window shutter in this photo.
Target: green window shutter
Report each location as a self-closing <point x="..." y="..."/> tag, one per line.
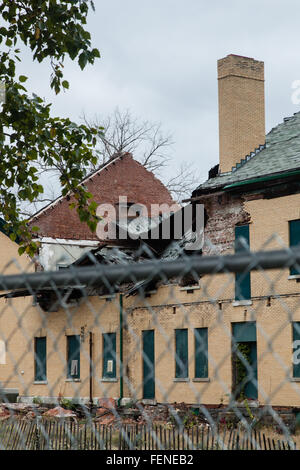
<point x="296" y="337"/>
<point x="73" y="355"/>
<point x="181" y="353"/>
<point x="40" y="357"/>
<point x="242" y="280"/>
<point x="109" y="355"/>
<point x="294" y="229"/>
<point x="201" y="351"/>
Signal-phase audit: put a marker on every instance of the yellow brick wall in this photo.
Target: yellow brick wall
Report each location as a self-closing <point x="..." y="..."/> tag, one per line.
<point x="169" y="308"/>
<point x="241" y="108"/>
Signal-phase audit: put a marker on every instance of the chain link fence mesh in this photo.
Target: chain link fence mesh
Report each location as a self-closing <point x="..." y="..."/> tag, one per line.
<point x="199" y="352"/>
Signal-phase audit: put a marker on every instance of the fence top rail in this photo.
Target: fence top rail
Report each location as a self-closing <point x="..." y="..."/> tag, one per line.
<point x="98" y="274"/>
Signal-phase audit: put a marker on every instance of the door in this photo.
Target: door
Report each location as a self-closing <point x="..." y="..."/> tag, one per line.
<point x="148" y="365"/>
<point x="245" y="378"/>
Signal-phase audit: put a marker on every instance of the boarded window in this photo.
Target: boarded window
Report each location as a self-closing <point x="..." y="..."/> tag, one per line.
<point x="148" y="364"/>
<point x="40" y="358"/>
<point x="294" y="228"/>
<point x="181" y="353"/>
<point x="73" y="357"/>
<point x="201" y="351"/>
<point x="242" y="280"/>
<point x="109" y="355"/>
<point x="296" y="349"/>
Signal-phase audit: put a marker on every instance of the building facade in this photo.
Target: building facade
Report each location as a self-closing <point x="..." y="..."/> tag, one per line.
<point x="183" y="341"/>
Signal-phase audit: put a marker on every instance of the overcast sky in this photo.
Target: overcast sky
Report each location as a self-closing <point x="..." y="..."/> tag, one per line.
<point x="159" y="59"/>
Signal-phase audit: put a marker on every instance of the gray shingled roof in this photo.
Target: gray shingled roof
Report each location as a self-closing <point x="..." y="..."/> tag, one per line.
<point x="281" y="153"/>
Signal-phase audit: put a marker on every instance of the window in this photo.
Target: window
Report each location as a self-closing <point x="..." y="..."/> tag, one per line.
<point x="73" y="357"/>
<point x="109" y="355"/>
<point x="2" y="352"/>
<point x="181" y="354"/>
<point x="242" y="280"/>
<point x="244" y="360"/>
<point x="296" y="349"/>
<point x="201" y="351"/>
<point x="40" y="356"/>
<point x="294" y="229"/>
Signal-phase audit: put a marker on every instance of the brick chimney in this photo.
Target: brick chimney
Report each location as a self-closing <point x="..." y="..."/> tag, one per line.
<point x="241" y="108"/>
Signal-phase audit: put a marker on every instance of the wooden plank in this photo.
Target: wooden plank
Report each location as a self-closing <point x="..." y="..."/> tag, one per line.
<point x="224" y="441"/>
<point x="251" y="440"/>
<point x="18" y="433"/>
<point x="42" y="434"/>
<point x="259" y="440"/>
<point x="120" y="438"/>
<point x="229" y="438"/>
<point x="22" y="434"/>
<point x="28" y="436"/>
<point x="212" y="437"/>
<point x="265" y="442"/>
<point x="9" y="434"/>
<point x="202" y="438"/>
<point x="14" y="436"/>
<point x="237" y="440"/>
<point x="95" y="434"/>
<point x="233" y="439"/>
<point x="279" y="446"/>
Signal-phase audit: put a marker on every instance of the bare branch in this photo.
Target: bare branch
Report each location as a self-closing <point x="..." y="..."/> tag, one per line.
<point x="121" y="132"/>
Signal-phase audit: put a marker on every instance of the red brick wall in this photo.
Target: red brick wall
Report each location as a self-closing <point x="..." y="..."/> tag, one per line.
<point x="124" y="177"/>
<point x="224" y="213"/>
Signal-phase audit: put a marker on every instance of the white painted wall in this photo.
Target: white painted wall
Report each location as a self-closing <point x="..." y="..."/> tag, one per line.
<point x="56" y="252"/>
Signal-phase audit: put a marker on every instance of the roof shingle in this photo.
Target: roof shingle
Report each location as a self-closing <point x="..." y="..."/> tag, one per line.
<point x="281" y="153"/>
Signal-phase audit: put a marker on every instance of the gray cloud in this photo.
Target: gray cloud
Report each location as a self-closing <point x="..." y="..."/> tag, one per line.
<point x="159" y="60"/>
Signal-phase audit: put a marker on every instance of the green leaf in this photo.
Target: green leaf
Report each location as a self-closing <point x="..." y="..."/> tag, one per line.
<point x="22" y="78"/>
<point x="82" y="60"/>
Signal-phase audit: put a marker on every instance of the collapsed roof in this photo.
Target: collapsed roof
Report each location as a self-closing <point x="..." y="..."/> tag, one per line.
<point x="137" y="249"/>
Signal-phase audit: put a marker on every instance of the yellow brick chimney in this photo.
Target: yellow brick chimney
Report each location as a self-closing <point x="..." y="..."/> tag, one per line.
<point x="241" y="108"/>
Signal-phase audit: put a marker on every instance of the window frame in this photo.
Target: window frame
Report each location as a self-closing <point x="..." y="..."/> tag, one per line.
<point x="294" y="271"/>
<point x="182" y="367"/>
<point x="201" y="353"/>
<point x="111" y="354"/>
<point x="242" y="280"/>
<point x="40" y="365"/>
<point x="74" y="356"/>
<point x="295" y="367"/>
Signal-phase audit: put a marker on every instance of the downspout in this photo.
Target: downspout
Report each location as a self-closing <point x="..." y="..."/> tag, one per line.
<point x="121" y="347"/>
<point x="91" y="370"/>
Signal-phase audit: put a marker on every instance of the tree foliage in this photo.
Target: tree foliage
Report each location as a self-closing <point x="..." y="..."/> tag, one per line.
<point x="52" y="29"/>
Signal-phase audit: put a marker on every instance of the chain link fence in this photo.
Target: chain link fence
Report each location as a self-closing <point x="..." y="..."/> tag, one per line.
<point x="200" y="352"/>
